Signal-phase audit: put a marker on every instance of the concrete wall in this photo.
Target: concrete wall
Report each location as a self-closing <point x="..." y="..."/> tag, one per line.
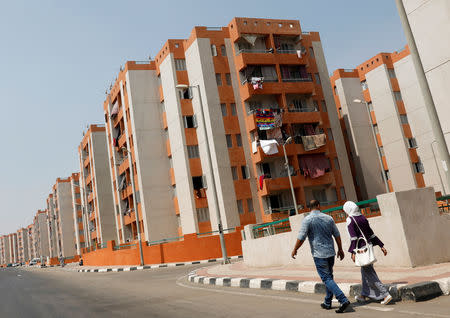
<point x="430" y="24"/>
<point x="152" y="164"/>
<point x="200" y="68"/>
<point x="391" y="131"/>
<point x="42" y="236"/>
<point x="64" y="195"/>
<point x="103" y="194"/>
<point x="368" y="168"/>
<point x="335" y="126"/>
<point x="52" y="229"/>
<point x="410" y="226"/>
<point x="180" y="159"/>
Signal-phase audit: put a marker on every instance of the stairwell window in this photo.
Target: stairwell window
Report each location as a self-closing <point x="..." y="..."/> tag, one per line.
<point x="190" y="121"/>
<point x="233" y="109"/>
<point x="398" y="96"/>
<point x="228" y="79"/>
<point x="223" y="108"/>
<point x="364" y="85"/>
<point x="193" y="151"/>
<point x="213" y="50"/>
<point x="412" y="143"/>
<point x="229" y="141"/>
<point x="369" y="104"/>
<point x="234" y="173"/>
<point x="418" y="167"/>
<point x="240" y="207"/>
<point x="311" y="52"/>
<point x="239" y="140"/>
<point x="391" y="73"/>
<point x="223" y="50"/>
<point x="219" y="79"/>
<point x="180" y="64"/>
<point x="202" y="215"/>
<point x="250" y="205"/>
<point x="317" y="77"/>
<point x="245" y="172"/>
<point x="404" y="119"/>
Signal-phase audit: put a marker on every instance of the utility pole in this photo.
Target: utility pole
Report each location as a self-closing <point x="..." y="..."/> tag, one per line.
<point x="425" y="90"/>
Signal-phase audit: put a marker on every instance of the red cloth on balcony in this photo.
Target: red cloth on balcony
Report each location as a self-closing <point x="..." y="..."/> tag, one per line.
<point x="261" y="182"/>
<point x="314" y="166"/>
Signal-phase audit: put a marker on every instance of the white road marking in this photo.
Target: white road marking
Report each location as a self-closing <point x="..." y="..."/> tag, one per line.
<point x="300" y="300"/>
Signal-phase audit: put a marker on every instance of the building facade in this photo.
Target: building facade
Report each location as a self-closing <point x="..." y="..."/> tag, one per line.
<point x="387" y="85"/>
<point x="239" y="78"/>
<point x="40" y="235"/>
<point x="96" y="191"/>
<point x="23" y="255"/>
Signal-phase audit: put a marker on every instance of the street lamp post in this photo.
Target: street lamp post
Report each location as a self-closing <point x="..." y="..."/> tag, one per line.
<point x="383" y="174"/>
<point x="213" y="185"/>
<point x="286" y="163"/>
<point x="138" y="226"/>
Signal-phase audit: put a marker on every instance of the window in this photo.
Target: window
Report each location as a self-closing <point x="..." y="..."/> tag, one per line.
<point x="375" y="128"/>
<point x="186" y="94"/>
<point x="213" y="50"/>
<point x="336" y="163"/>
<point x="387" y="174"/>
<point x="324" y="106"/>
<point x="250" y="205"/>
<point x="412" y="143"/>
<point x="180" y="64"/>
<point x="228" y="78"/>
<point x="223" y="50"/>
<point x="202" y="215"/>
<point x="234" y="173"/>
<point x="190" y="121"/>
<point x="162" y="107"/>
<point x="418" y="167"/>
<point x="398" y="96"/>
<point x="311" y="52"/>
<point x="320" y="195"/>
<point x="193" y="151"/>
<point x="174" y="191"/>
<point x="343" y="193"/>
<point x="316" y="105"/>
<point x="198" y="182"/>
<point x="364" y="85"/>
<point x="391" y="73"/>
<point x="240" y="207"/>
<point x="229" y="141"/>
<point x="233" y="109"/>
<point x="381" y="150"/>
<point x="223" y="107"/>
<point x="178" y="220"/>
<point x="317" y="77"/>
<point x="369" y="104"/>
<point x="245" y="173"/>
<point x="335" y="91"/>
<point x="239" y="140"/>
<point x="219" y="79"/>
<point x="330" y="134"/>
<point x="404" y="119"/>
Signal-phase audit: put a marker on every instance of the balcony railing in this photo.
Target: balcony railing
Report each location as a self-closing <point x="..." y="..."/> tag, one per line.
<point x="303" y="79"/>
<point x="287" y="51"/>
<point x="302" y="110"/>
<point x="255" y="51"/>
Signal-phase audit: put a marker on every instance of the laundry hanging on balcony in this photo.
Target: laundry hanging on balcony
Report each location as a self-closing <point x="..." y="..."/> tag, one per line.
<point x="115" y="110"/>
<point x="257" y="82"/>
<point x="265" y="119"/>
<point x="250" y="38"/>
<point x="275" y="134"/>
<point x="254" y="146"/>
<point x="261" y="182"/>
<point x="313" y="142"/>
<point x="314" y="166"/>
<point x="269" y="147"/>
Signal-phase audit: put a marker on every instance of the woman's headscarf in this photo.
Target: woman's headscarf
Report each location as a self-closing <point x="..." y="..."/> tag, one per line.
<point x="351" y="208"/>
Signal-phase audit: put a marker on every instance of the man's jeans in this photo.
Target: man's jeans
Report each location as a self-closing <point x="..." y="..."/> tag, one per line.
<point x="324" y="268"/>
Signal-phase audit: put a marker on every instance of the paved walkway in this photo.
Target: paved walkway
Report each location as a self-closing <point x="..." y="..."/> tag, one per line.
<point x="397" y="275"/>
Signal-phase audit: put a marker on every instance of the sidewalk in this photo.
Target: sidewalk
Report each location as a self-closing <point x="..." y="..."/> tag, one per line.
<point x="434" y="278"/>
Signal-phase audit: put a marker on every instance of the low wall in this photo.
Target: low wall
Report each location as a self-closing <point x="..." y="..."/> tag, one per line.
<point x="191" y="248"/>
<point x="410" y="226"/>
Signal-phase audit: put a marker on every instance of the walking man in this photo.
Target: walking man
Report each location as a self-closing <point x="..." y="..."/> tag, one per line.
<point x="320" y="229"/>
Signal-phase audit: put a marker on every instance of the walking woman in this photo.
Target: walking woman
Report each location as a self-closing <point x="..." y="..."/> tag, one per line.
<point x="372" y="287"/>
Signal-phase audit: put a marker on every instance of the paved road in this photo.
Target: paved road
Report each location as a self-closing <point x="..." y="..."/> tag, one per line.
<point x="165" y="292"/>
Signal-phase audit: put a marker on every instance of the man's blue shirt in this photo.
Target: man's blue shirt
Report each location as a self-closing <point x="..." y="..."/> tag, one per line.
<point x="320" y="229"/>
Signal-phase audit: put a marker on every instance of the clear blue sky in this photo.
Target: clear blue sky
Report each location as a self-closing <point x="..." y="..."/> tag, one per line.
<point x="58" y="57"/>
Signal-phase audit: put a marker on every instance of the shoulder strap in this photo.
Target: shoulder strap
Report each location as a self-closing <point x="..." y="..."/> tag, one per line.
<point x="359" y="228"/>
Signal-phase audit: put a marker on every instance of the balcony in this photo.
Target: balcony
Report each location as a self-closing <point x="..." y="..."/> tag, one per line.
<point x="129" y="218"/>
<point x="292" y="149"/>
<point x="293" y="86"/>
<point x="201" y="200"/>
<point x="122" y="140"/>
<point x="126" y="192"/>
<point x="275" y="185"/>
<point x="303" y="116"/>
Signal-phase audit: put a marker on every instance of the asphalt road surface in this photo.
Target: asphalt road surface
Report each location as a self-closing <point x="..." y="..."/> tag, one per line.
<point x="165" y="292"/>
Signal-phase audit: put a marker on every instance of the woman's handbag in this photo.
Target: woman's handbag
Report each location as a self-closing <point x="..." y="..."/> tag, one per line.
<point x="363" y="256"/>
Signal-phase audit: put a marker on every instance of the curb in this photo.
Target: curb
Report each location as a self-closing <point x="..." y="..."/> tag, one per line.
<point x="134" y="268"/>
<point x="415" y="292"/>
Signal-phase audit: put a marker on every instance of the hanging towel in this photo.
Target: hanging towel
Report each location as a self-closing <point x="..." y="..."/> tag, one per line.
<point x="261" y="182"/>
<point x="265" y="119"/>
<point x="115" y="110"/>
<point x="319" y="140"/>
<point x="275" y="134"/>
<point x="256" y="82"/>
<point x="255" y="146"/>
<point x="314" y="166"/>
<point x="250" y="38"/>
<point x="269" y="147"/>
<point x="299" y="54"/>
<point x="308" y="143"/>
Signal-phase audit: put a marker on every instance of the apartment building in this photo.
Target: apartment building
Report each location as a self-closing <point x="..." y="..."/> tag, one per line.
<point x="13" y="245"/>
<point x="40" y="235"/>
<point x="234" y="75"/>
<point x="430" y="24"/>
<point x="77" y="214"/>
<point x="96" y="191"/>
<point x="388" y="88"/>
<point x="31" y="250"/>
<point x="52" y="227"/>
<point x="63" y="211"/>
<point x="22" y="246"/>
<point x="5" y="250"/>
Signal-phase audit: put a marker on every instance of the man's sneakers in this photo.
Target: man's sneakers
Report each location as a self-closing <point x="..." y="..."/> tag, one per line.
<point x="325" y="306"/>
<point x="343" y="307"/>
<point x="387" y="300"/>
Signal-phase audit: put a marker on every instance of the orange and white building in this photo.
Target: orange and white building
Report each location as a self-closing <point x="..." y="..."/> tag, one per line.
<point x="161" y="126"/>
<point x="40" y="235"/>
<point x="387" y="85"/>
<point x="22" y="245"/>
<point x="97" y="202"/>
